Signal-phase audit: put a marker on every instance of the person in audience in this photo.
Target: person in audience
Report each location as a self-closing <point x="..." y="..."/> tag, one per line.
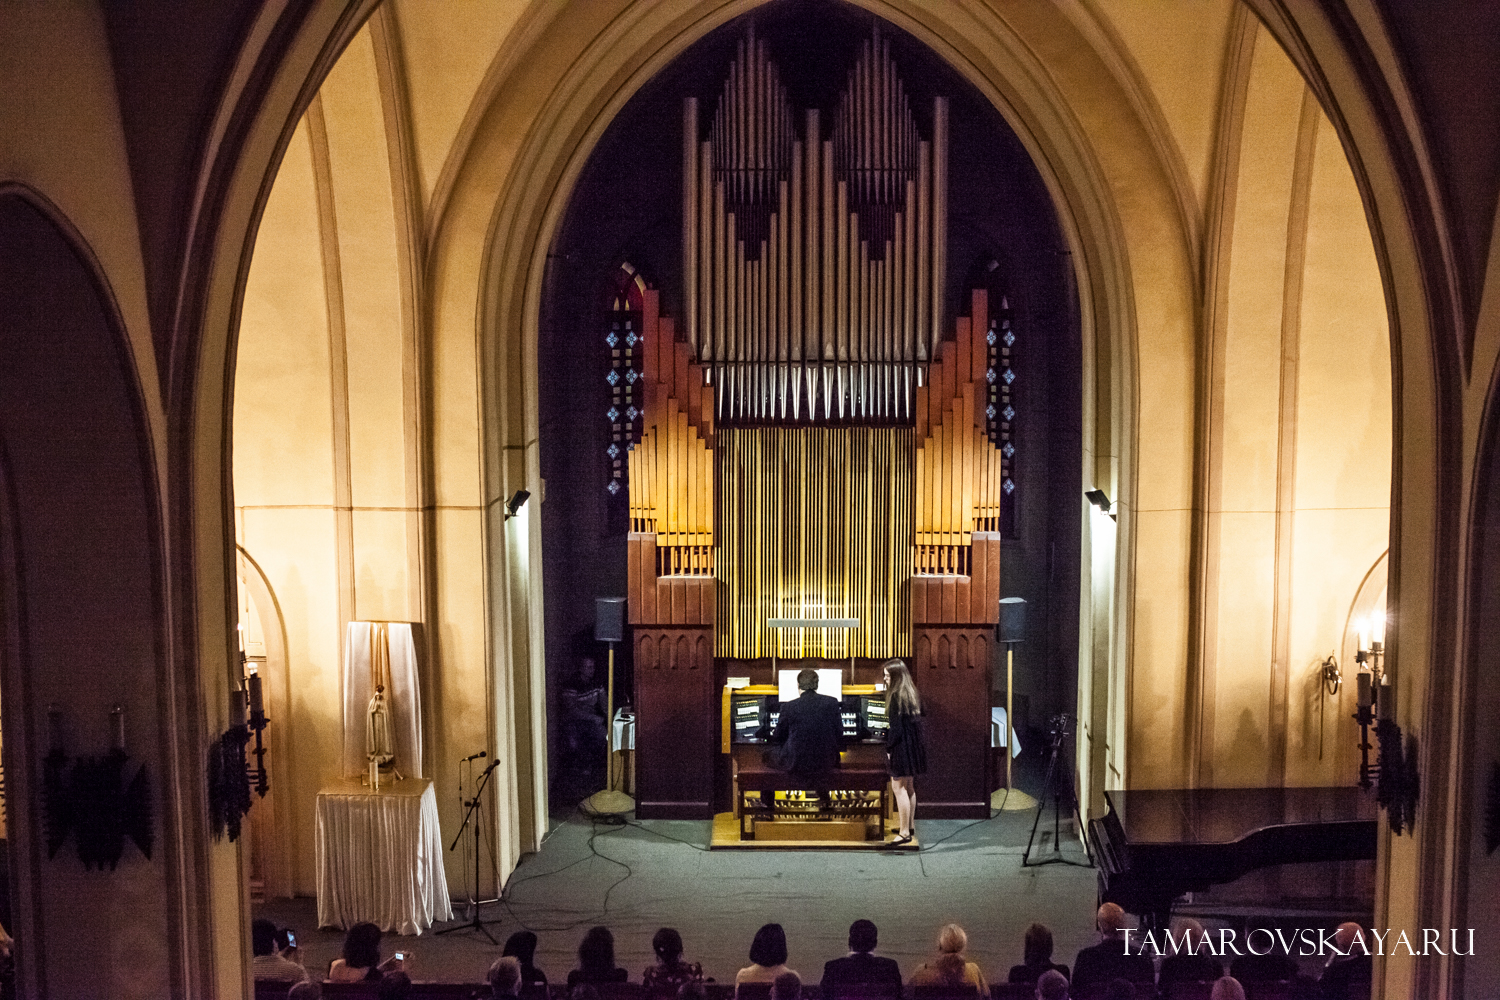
<point x="583" y="991"/>
<point x="1120" y="989"/>
<point x="1051" y="985"/>
<point x="1190" y="964"/>
<point x="767" y="957"/>
<point x="361" y="957"/>
<point x="1227" y="988"/>
<point x="286" y="945"/>
<point x="522" y="946"/>
<point x="1037" y="957"/>
<point x="596" y="960"/>
<point x="1110" y="958"/>
<point x="691" y="991"/>
<point x="394" y="986"/>
<point x="306" y="990"/>
<point x="505" y="978"/>
<point x="861" y="967"/>
<point x="1350" y="964"/>
<point x="268" y="964"/>
<point x="1272" y="967"/>
<point x="666" y="977"/>
<point x="787" y="986"/>
<point x="950" y="968"/>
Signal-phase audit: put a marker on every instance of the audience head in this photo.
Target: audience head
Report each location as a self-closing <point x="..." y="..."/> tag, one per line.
<point x="952" y="940"/>
<point x="1052" y="985"/>
<point x="1038" y="948"/>
<point x="1120" y="989"/>
<point x="807" y="680"/>
<point x="862" y="936"/>
<point x="769" y="947"/>
<point x="786" y="987"/>
<point x="521" y="945"/>
<point x="691" y="991"/>
<point x="667" y="944"/>
<point x="596" y="952"/>
<point x="305" y="991"/>
<point x="393" y="986"/>
<point x="362" y="946"/>
<point x="1346" y="935"/>
<point x="262" y="937"/>
<point x="505" y="977"/>
<point x="1110" y="919"/>
<point x="1191" y="933"/>
<point x="1228" y="988"/>
<point x="583" y="991"/>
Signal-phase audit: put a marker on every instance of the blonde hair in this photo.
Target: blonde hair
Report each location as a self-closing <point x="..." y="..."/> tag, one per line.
<point x="952" y="940"/>
<point x="901" y="696"/>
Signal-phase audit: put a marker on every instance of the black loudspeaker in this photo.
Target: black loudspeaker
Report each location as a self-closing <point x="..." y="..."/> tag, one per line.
<point x="609" y="619"/>
<point x="1012" y="627"/>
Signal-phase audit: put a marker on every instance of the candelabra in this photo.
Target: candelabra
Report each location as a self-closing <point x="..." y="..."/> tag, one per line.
<point x="230" y="777"/>
<point x="1394" y="776"/>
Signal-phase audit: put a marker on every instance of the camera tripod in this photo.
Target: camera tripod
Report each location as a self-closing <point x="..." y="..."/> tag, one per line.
<point x="1054" y="787"/>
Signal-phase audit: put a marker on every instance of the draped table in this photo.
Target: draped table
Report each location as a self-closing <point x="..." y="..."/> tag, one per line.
<point x="380" y="857"/>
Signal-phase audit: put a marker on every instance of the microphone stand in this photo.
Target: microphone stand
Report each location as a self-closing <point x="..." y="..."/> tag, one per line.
<point x="474" y="924"/>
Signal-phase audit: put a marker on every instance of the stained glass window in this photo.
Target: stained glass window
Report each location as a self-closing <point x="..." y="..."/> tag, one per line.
<point x="1000" y="411"/>
<point x="624" y="340"/>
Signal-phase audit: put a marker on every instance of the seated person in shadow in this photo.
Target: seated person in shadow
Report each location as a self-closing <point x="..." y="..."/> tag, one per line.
<point x="596" y="960"/>
<point x="505" y="978"/>
<point x="787" y="986"/>
<point x="1036" y="957"/>
<point x="860" y="967"/>
<point x="1051" y="985"/>
<point x="768" y="956"/>
<point x="809" y="732"/>
<point x="666" y="977"/>
<point x="1111" y="958"/>
<point x="1274" y="966"/>
<point x="1191" y="963"/>
<point x="522" y="946"/>
<point x="1349" y="968"/>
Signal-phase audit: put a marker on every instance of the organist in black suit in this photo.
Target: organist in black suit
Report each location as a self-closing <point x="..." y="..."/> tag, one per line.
<point x="809" y="731"/>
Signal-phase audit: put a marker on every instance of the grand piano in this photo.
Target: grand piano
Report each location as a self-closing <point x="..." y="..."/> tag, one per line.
<point x="1154" y="845"/>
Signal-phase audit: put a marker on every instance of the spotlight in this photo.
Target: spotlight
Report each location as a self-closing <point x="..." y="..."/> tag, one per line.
<point x="515" y="503"/>
<point x="1099" y="499"/>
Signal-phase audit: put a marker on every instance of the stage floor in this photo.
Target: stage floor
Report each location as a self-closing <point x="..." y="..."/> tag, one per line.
<point x="645" y="875"/>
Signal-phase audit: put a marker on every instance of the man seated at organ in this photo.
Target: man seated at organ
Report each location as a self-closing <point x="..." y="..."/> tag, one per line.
<point x="809" y="731"/>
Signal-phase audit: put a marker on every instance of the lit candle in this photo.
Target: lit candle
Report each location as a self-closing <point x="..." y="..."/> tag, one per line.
<point x="54" y="728"/>
<point x="117" y="728"/>
<point x="1364" y="638"/>
<point x="257" y="704"/>
<point x="237" y="707"/>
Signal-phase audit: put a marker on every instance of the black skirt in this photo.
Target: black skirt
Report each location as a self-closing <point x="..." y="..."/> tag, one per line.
<point x="905" y="746"/>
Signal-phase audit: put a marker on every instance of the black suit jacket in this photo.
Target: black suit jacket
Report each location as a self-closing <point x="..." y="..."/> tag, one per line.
<point x="1107" y="960"/>
<point x="809" y="732"/>
<point x="860" y="969"/>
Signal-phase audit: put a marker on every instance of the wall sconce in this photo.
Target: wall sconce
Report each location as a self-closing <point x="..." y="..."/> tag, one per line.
<point x="1395" y="773"/>
<point x="92" y="801"/>
<point x="515" y="503"/>
<point x="1101" y="500"/>
<point x="229" y="776"/>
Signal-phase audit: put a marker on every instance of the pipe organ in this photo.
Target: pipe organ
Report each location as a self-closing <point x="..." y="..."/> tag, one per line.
<point x="814" y="444"/>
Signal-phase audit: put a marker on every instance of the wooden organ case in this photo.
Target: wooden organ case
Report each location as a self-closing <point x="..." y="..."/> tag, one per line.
<point x="814" y="441"/>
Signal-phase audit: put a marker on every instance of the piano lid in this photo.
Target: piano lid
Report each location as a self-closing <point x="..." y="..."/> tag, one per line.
<point x="1207" y="816"/>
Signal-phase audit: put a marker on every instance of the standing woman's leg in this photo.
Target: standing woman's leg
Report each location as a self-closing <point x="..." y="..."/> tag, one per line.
<point x="905" y="804"/>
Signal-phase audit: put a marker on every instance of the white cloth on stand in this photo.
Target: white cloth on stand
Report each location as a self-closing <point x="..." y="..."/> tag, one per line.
<point x="622" y="733"/>
<point x="403" y="699"/>
<point x="998" y="730"/>
<point x="380" y="857"/>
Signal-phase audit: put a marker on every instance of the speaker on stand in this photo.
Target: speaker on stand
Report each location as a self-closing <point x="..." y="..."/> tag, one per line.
<point x="1011" y="630"/>
<point x="609" y="628"/>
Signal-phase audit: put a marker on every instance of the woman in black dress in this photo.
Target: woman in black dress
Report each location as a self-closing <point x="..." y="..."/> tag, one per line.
<point x="904" y="745"/>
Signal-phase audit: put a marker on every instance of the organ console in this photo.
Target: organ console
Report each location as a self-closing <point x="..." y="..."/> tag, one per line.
<point x="814" y="443"/>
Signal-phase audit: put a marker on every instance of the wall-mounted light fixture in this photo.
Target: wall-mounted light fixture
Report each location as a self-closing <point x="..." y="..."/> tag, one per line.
<point x="229" y="776"/>
<point x="515" y="503"/>
<point x="92" y="801"/>
<point x="1394" y="775"/>
<point x="1101" y="500"/>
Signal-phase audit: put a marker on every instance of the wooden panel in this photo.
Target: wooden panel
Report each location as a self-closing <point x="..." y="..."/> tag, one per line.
<point x="979" y="578"/>
<point x="992" y="594"/>
<point x="951" y="670"/>
<point x="950" y="600"/>
<point x="919" y="587"/>
<point x="675" y="723"/>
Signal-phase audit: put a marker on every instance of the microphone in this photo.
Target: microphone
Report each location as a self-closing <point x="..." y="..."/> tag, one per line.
<point x="474" y="756"/>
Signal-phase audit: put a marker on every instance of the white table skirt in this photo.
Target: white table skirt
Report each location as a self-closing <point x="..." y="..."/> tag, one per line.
<point x="380" y="857"/>
<point x="998" y="729"/>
